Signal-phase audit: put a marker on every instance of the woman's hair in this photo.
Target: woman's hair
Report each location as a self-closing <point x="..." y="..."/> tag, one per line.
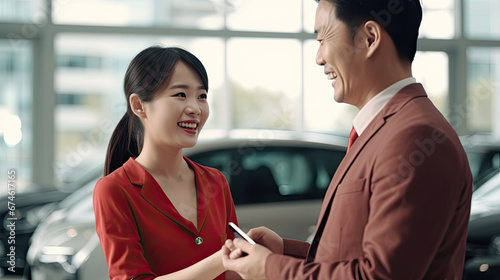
<point x="147" y="75"/>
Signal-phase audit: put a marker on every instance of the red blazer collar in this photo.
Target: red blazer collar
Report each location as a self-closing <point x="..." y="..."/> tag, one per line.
<point x="138" y="176"/>
<point x="135" y="172"/>
<point x="154" y="195"/>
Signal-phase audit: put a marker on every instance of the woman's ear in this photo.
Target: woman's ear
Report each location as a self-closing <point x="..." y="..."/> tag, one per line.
<point x="373" y="35"/>
<point x="137" y="105"/>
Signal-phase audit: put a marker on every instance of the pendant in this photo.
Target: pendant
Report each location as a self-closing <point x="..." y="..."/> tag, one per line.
<point x="198" y="240"/>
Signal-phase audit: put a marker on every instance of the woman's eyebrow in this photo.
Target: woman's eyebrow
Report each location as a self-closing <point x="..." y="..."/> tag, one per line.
<point x="184" y="86"/>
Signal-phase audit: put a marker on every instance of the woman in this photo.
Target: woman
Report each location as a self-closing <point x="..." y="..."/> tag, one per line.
<point x="158" y="214"/>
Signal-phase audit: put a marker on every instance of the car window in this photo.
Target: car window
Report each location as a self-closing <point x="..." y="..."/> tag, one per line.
<point x="484" y="162"/>
<point x="218" y="159"/>
<point x="292" y="174"/>
<point x="273" y="174"/>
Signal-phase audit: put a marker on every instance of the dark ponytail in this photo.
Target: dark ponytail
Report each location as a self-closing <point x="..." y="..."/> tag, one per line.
<point x="123" y="144"/>
<point x="146" y="75"/>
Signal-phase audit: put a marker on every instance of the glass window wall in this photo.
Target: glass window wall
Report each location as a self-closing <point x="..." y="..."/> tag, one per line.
<point x="431" y="70"/>
<point x="265" y="82"/>
<point x="15" y="112"/>
<point x="483" y="90"/>
<point x="200" y="14"/>
<point x="265" y="15"/>
<point x="89" y="86"/>
<point x="23" y="11"/>
<point x="438" y="20"/>
<point x="260" y="58"/>
<point x="481" y="19"/>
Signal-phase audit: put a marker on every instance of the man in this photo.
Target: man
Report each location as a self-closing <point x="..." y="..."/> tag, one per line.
<point x="398" y="205"/>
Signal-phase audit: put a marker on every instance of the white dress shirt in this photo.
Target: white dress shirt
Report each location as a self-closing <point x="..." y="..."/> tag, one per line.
<point x="371" y="109"/>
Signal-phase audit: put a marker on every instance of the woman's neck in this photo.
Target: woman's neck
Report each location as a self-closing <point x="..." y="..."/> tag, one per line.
<point x="164" y="162"/>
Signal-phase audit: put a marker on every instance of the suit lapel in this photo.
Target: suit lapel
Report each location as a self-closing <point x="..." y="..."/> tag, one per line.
<point x="404" y="96"/>
<point x="349" y="158"/>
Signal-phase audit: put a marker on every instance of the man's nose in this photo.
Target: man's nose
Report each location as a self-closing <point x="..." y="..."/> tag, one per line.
<point x="319" y="58"/>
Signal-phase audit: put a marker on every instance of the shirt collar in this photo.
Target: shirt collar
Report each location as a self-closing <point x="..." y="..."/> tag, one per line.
<point x="372" y="107"/>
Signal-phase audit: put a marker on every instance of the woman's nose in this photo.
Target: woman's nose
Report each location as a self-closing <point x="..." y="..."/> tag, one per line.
<point x="193" y="108"/>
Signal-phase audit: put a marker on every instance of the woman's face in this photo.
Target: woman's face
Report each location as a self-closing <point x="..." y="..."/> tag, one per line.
<point x="177" y="114"/>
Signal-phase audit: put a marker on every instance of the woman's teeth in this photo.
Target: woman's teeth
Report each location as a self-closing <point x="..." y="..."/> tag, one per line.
<point x="188" y="125"/>
<point x="332" y="76"/>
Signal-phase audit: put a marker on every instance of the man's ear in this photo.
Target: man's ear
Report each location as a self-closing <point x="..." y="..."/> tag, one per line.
<point x="137" y="105"/>
<point x="373" y="36"/>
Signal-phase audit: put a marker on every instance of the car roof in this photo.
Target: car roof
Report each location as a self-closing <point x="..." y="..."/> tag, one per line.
<point x="480" y="142"/>
<point x="210" y="140"/>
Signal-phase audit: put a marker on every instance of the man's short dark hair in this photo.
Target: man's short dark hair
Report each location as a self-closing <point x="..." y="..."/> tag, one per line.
<point x="400" y="18"/>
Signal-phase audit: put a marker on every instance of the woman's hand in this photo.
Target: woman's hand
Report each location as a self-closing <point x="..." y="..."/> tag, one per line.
<point x="248" y="260"/>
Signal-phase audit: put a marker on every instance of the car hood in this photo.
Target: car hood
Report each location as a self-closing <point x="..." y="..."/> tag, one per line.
<point x="32" y="198"/>
<point x="484" y="222"/>
<point x="62" y="229"/>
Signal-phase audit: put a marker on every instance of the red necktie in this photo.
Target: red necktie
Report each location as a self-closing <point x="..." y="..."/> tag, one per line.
<point x="352" y="137"/>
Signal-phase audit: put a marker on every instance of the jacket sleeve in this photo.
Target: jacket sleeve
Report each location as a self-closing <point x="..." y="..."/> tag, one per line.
<point x="295" y="248"/>
<point x="118" y="234"/>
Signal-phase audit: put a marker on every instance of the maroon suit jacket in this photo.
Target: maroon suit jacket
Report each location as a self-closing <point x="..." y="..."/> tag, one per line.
<point x="400" y="202"/>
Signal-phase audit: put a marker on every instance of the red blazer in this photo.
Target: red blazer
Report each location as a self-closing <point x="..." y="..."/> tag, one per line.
<point x="400" y="202"/>
<point x="142" y="234"/>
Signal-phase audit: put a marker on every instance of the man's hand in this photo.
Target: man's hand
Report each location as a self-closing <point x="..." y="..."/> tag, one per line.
<point x="267" y="238"/>
<point x="251" y="266"/>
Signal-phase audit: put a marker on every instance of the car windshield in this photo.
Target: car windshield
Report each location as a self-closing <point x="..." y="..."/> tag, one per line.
<point x="78" y="196"/>
<point x="72" y="177"/>
<point x="489" y="191"/>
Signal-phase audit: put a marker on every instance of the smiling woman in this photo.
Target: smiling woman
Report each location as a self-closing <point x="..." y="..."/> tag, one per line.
<point x="169" y="214"/>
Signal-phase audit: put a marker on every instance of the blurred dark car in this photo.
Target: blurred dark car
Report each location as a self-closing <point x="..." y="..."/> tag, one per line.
<point x="483" y="151"/>
<point x="483" y="240"/>
<point x="31" y="207"/>
<point x="277" y="179"/>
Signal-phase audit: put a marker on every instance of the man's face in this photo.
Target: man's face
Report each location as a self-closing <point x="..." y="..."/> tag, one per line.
<point x="337" y="53"/>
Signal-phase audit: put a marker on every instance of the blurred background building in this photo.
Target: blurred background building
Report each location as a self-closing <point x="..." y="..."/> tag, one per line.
<point x="62" y="64"/>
